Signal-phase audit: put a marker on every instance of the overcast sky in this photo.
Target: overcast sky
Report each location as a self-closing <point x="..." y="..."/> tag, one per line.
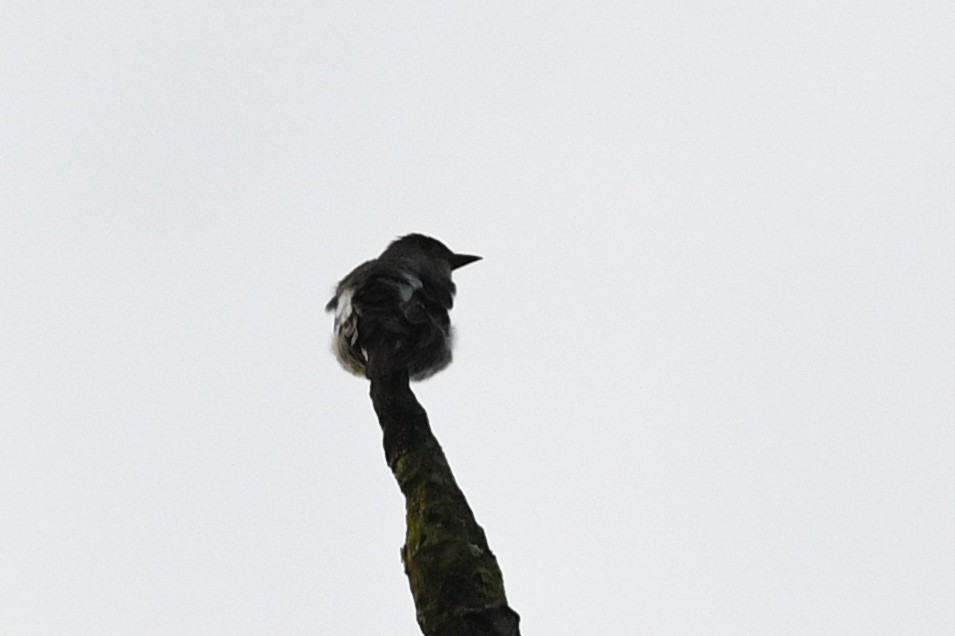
<point x="705" y="375"/>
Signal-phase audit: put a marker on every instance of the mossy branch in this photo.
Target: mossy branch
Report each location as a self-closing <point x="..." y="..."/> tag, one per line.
<point x="457" y="586"/>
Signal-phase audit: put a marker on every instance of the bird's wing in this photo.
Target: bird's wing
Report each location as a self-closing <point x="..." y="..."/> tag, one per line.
<point x="399" y="302"/>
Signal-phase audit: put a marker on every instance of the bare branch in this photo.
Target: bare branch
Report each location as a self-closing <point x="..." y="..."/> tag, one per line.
<point x="456" y="583"/>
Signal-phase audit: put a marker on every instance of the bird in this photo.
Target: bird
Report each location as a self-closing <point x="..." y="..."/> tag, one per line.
<point x="391" y="313"/>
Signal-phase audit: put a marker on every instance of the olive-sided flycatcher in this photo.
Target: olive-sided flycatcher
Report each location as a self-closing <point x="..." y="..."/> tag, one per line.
<point x="391" y="313"/>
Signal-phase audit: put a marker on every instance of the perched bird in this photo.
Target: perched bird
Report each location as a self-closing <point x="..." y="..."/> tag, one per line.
<point x="391" y="313"/>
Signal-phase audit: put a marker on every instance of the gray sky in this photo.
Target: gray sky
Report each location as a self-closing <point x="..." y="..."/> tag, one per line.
<point x="704" y="381"/>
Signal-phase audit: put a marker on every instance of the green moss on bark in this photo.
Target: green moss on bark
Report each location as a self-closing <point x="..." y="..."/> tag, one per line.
<point x="455" y="580"/>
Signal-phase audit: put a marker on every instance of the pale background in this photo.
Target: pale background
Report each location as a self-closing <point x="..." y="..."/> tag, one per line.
<point x="704" y="381"/>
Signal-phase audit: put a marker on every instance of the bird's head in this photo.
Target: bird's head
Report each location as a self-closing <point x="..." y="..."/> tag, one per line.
<point x="418" y="247"/>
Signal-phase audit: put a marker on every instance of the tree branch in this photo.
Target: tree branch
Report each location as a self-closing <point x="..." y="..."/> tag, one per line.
<point x="457" y="586"/>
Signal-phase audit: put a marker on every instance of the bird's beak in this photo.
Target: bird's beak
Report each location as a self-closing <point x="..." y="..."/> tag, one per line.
<point x="460" y="260"/>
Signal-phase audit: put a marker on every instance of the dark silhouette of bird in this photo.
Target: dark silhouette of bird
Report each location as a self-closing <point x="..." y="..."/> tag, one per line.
<point x="391" y="313"/>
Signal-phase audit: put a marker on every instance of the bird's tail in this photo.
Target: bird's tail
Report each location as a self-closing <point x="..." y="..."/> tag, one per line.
<point x="382" y="361"/>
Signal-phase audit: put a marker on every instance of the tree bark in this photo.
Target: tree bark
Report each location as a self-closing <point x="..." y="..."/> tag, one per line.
<point x="456" y="583"/>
